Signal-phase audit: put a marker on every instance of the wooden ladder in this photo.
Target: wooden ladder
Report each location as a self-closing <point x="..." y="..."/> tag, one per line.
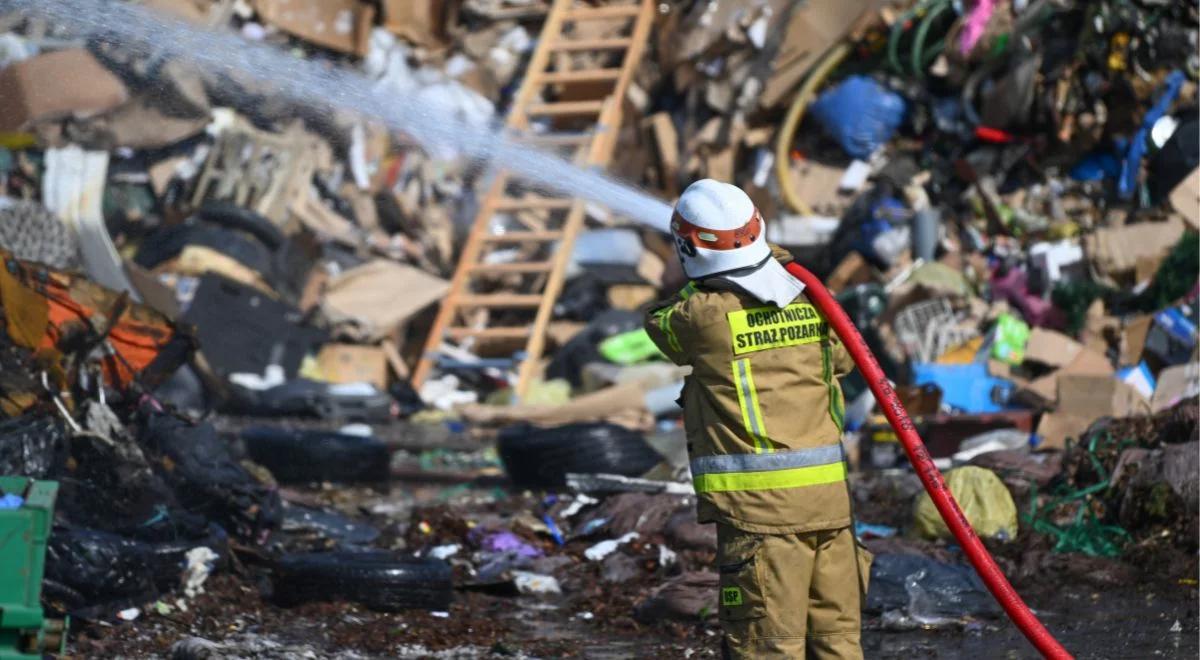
<point x="515" y="258"/>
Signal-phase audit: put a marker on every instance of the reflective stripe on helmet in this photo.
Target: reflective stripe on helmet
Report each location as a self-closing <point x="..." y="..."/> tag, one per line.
<point x="718" y="239"/>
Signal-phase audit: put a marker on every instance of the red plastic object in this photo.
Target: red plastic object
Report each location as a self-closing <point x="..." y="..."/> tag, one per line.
<point x="993" y="135"/>
<point x="930" y="476"/>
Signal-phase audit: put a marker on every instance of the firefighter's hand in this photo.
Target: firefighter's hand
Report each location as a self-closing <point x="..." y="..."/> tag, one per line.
<point x="781" y="255"/>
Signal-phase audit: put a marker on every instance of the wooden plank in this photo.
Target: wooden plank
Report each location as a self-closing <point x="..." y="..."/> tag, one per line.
<point x="602" y="13"/>
<point x="577" y="45"/>
<point x="509" y="332"/>
<point x="524" y="237"/>
<point x="565" y="109"/>
<point x="500" y="300"/>
<point x="515" y="267"/>
<point x="583" y="75"/>
<point x="392" y="353"/>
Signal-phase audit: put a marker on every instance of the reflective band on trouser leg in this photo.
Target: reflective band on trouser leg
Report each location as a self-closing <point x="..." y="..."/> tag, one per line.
<point x="743" y="382"/>
<point x="781" y="469"/>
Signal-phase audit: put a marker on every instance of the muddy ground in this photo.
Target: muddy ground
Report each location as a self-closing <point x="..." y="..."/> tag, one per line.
<point x="1098" y="608"/>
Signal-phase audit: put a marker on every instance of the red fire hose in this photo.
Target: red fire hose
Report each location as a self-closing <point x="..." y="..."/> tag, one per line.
<point x="930" y="476"/>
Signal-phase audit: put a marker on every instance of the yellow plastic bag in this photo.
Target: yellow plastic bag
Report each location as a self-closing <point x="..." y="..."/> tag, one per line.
<point x="982" y="496"/>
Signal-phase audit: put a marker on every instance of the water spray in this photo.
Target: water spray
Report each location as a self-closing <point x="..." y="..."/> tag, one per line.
<point x="327" y="87"/>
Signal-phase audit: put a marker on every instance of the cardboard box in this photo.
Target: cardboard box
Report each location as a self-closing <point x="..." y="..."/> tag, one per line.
<point x="1092" y="396"/>
<point x="1055" y="428"/>
<point x="421" y="22"/>
<point x="349" y="363"/>
<point x="341" y="25"/>
<point x="56" y="85"/>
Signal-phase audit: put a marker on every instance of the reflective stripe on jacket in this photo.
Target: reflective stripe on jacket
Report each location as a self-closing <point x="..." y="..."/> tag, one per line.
<point x="763" y="409"/>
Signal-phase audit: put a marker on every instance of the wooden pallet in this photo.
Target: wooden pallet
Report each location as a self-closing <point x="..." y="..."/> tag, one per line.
<point x="514" y="261"/>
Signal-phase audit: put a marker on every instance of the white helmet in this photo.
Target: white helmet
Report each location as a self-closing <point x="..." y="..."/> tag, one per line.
<point x="719" y="233"/>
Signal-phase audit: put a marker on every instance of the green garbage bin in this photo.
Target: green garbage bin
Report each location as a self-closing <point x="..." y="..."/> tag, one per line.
<point x="25" y="524"/>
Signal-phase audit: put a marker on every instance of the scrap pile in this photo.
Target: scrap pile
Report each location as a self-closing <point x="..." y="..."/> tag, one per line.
<point x="212" y="300"/>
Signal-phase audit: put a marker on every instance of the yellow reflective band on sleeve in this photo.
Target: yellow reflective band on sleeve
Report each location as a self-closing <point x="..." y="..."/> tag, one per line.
<point x="752" y="418"/>
<point x="836" y="409"/>
<point x="762" y="328"/>
<point x="664" y="324"/>
<point x="687" y="291"/>
<point x="771" y="480"/>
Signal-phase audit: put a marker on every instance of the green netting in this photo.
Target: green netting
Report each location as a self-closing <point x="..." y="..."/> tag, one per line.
<point x="1085" y="533"/>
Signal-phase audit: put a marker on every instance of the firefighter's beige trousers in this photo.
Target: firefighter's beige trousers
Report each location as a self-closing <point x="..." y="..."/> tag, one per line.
<point x="791" y="595"/>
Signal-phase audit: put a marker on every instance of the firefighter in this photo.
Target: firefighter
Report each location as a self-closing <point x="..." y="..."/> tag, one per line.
<point x="763" y="413"/>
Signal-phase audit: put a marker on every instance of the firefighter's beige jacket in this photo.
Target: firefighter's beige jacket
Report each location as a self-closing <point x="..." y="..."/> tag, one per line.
<point x="762" y="408"/>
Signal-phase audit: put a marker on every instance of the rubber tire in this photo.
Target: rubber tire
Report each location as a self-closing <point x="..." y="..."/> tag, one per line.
<point x="304" y="456"/>
<point x="378" y="580"/>
<point x="232" y="216"/>
<point x="542" y="458"/>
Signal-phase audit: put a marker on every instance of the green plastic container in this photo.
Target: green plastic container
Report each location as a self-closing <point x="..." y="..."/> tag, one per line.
<point x="24" y="630"/>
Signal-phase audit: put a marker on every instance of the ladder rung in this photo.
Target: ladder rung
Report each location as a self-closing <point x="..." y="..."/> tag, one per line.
<point x="598" y="13"/>
<point x="460" y="333"/>
<point x="617" y="43"/>
<point x="565" y="108"/>
<point x="583" y="75"/>
<point x="524" y="237"/>
<point x="511" y="300"/>
<point x="516" y="267"/>
<point x="532" y="204"/>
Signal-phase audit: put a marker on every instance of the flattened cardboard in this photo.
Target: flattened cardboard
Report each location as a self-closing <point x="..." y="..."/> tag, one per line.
<point x="813" y="28"/>
<point x="349" y="363"/>
<point x="1176" y="384"/>
<point x="56" y="85"/>
<point x="1051" y="348"/>
<point x="1186" y="199"/>
<point x="1133" y="340"/>
<point x="380" y="295"/>
<point x="1115" y="251"/>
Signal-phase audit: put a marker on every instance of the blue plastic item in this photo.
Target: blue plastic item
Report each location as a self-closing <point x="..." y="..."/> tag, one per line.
<point x="884" y="215"/>
<point x="1140" y="378"/>
<point x="1097" y="167"/>
<point x="966" y="387"/>
<point x="860" y="114"/>
<point x="11" y="501"/>
<point x="1137" y="149"/>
